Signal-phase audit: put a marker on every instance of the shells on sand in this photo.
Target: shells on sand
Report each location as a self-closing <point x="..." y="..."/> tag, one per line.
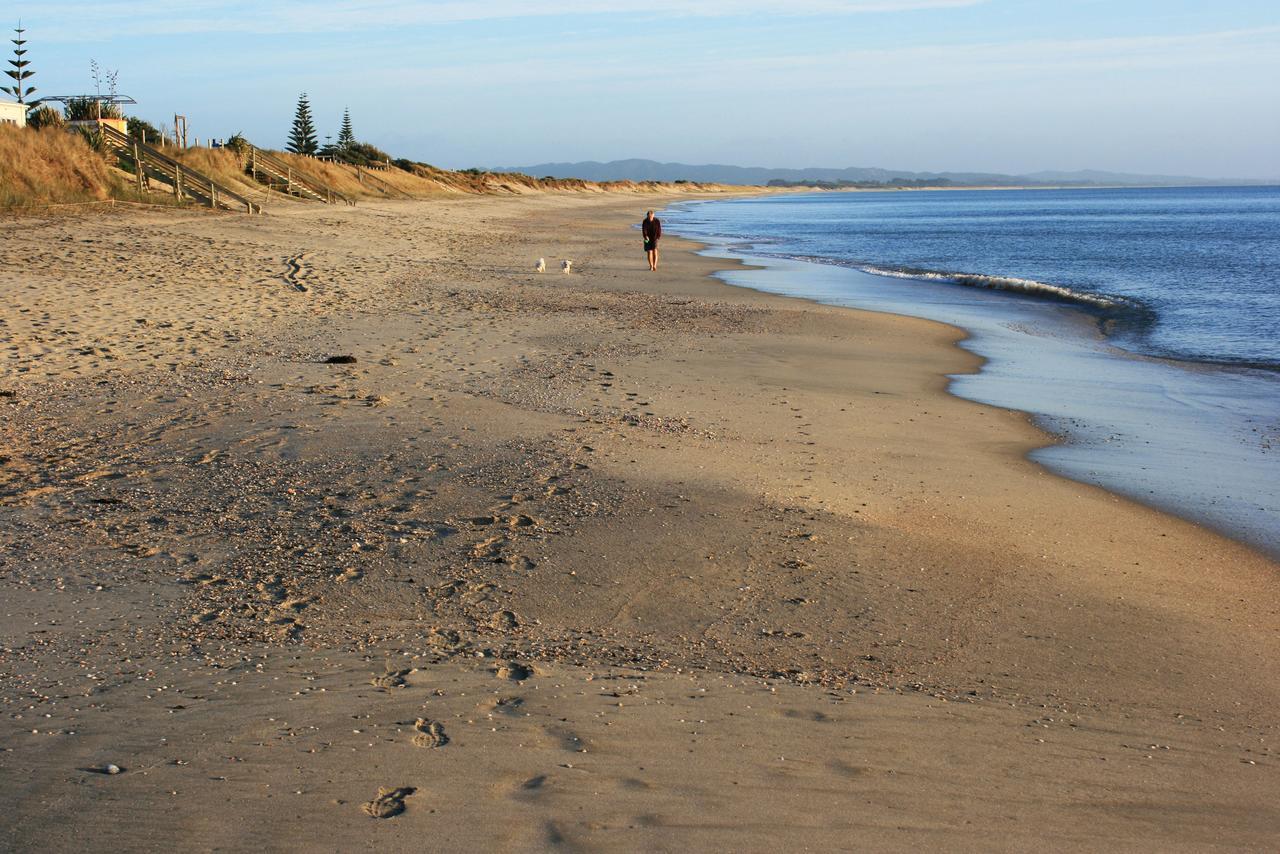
<point x="110" y="769"/>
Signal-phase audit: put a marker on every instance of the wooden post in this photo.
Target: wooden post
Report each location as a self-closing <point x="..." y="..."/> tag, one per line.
<point x="137" y="166"/>
<point x="177" y="181"/>
<point x="213" y="195"/>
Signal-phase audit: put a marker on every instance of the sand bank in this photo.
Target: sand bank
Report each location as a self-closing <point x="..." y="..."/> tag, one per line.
<point x="667" y="564"/>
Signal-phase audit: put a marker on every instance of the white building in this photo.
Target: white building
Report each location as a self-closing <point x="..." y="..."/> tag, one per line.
<point x="13" y="113"/>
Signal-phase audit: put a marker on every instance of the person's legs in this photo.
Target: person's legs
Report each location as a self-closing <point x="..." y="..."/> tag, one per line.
<point x="653" y="259"/>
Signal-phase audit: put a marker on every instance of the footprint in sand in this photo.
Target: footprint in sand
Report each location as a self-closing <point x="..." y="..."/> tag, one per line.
<point x="443" y="639"/>
<point x="514" y="671"/>
<point x="204" y="579"/>
<point x="389" y="802"/>
<point x="567" y="739"/>
<point x="532" y="789"/>
<point x="393" y="678"/>
<point x="504" y="620"/>
<point x="272" y="590"/>
<point x="430" y="734"/>
<point x="490" y="549"/>
<point x="502" y="705"/>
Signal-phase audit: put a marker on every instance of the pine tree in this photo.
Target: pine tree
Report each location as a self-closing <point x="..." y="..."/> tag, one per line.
<point x="19" y="72"/>
<point x="346" y="137"/>
<point x="302" y="139"/>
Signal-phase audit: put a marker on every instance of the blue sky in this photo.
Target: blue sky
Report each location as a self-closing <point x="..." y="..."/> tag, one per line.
<point x="1169" y="86"/>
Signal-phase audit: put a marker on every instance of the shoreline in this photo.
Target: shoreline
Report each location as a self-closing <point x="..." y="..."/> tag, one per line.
<point x="645" y="549"/>
<point x="1090" y="437"/>
<point x="1012" y="187"/>
<point x="1136" y="297"/>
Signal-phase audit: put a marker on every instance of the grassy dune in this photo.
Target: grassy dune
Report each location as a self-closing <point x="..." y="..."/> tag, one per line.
<point x="422" y="182"/>
<point x="429" y="182"/>
<point x="52" y="167"/>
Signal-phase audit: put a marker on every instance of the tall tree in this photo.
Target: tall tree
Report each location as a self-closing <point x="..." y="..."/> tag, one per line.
<point x="346" y="137"/>
<point x="302" y="139"/>
<point x="19" y="73"/>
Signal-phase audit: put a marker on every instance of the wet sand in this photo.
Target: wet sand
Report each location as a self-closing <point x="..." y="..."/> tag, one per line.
<point x="612" y="560"/>
<point x="1193" y="440"/>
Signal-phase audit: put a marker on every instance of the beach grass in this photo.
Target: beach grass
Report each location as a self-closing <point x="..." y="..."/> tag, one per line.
<point x="49" y="166"/>
<point x="42" y="167"/>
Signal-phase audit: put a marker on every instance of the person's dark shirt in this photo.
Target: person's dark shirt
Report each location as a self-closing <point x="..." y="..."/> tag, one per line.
<point x="652" y="229"/>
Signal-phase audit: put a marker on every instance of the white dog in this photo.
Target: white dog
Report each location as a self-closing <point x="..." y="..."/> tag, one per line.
<point x="541" y="266"/>
<point x="566" y="267"/>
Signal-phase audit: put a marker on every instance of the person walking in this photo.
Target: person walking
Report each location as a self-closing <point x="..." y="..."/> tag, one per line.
<point x="651" y="228"/>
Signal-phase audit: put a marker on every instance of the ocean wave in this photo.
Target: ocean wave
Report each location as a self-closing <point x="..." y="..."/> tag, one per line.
<point x="1106" y="303"/>
<point x="1029" y="287"/>
<point x="1125" y="317"/>
<point x="1160" y="328"/>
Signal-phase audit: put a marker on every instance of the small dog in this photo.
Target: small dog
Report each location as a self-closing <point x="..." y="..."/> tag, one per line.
<point x="566" y="267"/>
<point x="541" y="266"/>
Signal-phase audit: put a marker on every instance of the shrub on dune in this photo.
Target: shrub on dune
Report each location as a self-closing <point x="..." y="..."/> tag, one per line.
<point x="45" y="117"/>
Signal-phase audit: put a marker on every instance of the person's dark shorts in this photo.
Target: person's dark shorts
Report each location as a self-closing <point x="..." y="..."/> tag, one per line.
<point x="650" y="245"/>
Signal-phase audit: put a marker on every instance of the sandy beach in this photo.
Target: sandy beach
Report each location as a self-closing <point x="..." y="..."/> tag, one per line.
<point x="602" y="561"/>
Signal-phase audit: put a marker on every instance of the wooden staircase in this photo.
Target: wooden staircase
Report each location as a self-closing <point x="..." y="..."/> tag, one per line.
<point x="275" y="173"/>
<point x="148" y="162"/>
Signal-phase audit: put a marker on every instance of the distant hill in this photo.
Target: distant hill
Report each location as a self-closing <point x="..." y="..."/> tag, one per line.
<point x="651" y="170"/>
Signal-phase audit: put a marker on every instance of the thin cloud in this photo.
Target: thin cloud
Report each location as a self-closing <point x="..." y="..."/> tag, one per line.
<point x="932" y="65"/>
<point x="72" y="21"/>
<point x="610" y="67"/>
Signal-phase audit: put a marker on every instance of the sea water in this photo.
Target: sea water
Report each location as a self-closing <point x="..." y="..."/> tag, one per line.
<point x="1143" y="325"/>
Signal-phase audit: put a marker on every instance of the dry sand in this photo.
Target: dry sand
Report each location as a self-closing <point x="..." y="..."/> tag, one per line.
<point x="613" y="560"/>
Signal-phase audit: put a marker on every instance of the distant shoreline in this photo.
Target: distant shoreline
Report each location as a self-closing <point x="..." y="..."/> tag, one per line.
<point x="983" y="187"/>
<point x="650" y="170"/>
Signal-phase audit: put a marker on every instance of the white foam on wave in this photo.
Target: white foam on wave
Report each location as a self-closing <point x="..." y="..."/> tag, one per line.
<point x="1005" y="283"/>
